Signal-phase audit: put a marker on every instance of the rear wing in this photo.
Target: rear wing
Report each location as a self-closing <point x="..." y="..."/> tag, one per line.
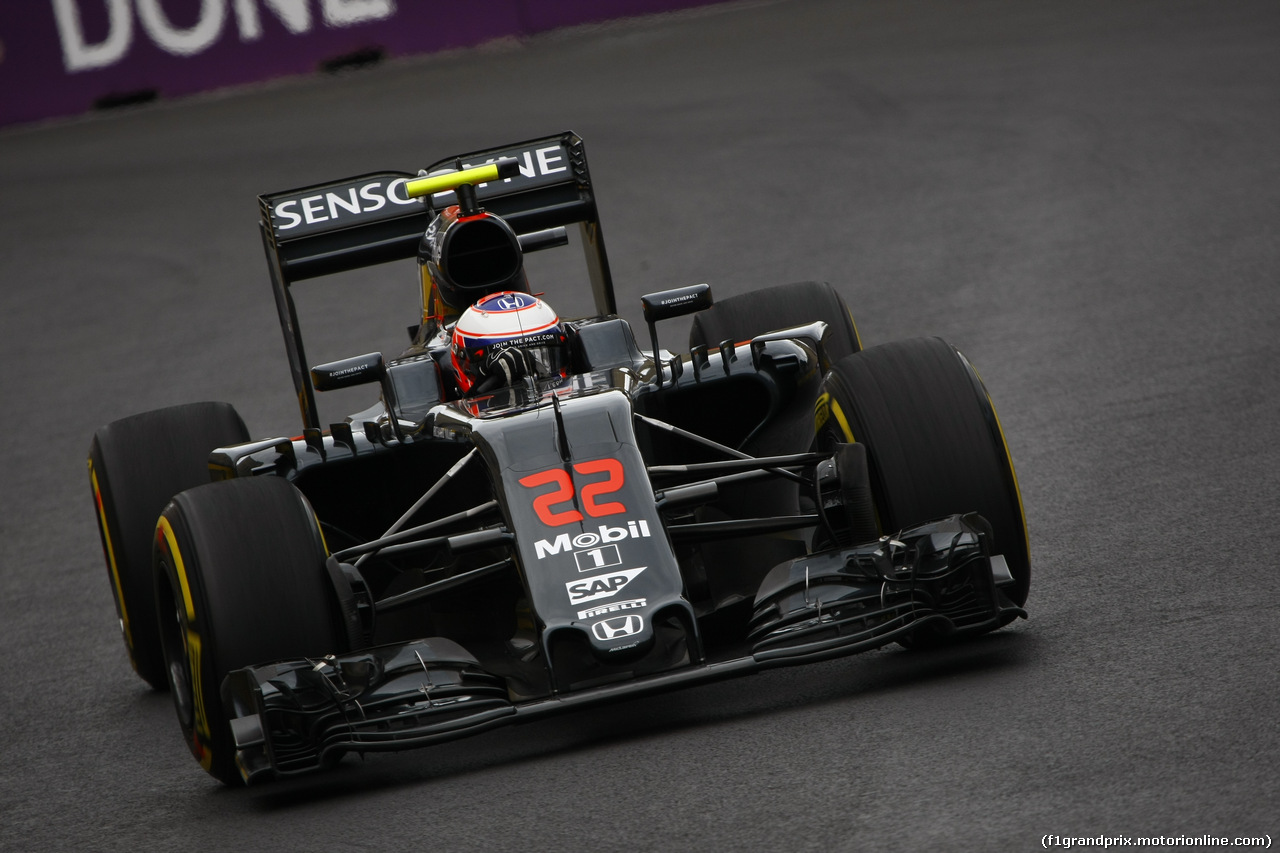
<point x="369" y="219"/>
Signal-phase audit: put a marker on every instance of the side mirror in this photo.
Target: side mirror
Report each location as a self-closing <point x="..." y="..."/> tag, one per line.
<point x="357" y="370"/>
<point x="666" y="304"/>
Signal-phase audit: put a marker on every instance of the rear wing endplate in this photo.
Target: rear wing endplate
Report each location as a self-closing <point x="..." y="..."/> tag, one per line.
<point x="369" y="219"/>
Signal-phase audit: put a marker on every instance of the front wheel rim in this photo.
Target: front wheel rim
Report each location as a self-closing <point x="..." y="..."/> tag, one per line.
<point x="173" y="639"/>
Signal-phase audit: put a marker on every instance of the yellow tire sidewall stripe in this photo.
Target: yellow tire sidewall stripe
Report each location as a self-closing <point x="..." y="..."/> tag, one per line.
<point x="843" y="421"/>
<point x="1017" y="490"/>
<point x="111" y="560"/>
<point x="1008" y="458"/>
<point x="166" y="530"/>
<point x="823" y="409"/>
<point x="194" y="645"/>
<point x="857" y="337"/>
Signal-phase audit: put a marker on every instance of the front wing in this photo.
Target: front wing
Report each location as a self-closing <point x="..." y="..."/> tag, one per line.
<point x="932" y="581"/>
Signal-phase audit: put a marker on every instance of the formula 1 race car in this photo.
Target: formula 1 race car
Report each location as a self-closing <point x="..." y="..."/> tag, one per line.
<point x="538" y="515"/>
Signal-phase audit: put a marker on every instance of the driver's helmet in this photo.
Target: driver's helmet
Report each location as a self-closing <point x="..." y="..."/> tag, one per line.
<point x="505" y="337"/>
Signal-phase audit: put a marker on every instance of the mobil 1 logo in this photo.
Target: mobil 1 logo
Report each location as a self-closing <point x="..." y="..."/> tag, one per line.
<point x="599" y="540"/>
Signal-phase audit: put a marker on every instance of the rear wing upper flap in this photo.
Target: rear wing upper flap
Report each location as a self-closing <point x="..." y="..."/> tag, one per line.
<point x="369" y="219"/>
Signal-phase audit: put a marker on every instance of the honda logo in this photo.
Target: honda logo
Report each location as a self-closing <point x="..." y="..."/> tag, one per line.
<point x="618" y="626"/>
<point x="512" y="302"/>
<point x="506" y="301"/>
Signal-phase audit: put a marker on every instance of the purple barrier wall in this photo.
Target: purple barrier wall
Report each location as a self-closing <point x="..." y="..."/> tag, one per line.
<point x="61" y="57"/>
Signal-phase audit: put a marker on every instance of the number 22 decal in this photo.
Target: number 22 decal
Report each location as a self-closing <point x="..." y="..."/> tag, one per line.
<point x="545" y="503"/>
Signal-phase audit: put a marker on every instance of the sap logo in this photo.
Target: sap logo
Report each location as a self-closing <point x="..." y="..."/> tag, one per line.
<point x="350" y="201"/>
<point x="600" y="586"/>
<point x="80" y="54"/>
<point x="619" y="626"/>
<point x="562" y="543"/>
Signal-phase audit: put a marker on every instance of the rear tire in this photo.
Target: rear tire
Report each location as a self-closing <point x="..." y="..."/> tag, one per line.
<point x="934" y="443"/>
<point x="240" y="580"/>
<point x="135" y="466"/>
<point x="742" y="317"/>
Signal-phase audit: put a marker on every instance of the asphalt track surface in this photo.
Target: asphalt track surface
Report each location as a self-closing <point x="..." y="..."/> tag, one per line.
<point x="1083" y="197"/>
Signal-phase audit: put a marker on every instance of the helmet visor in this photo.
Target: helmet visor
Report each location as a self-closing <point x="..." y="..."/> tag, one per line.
<point x="541" y="356"/>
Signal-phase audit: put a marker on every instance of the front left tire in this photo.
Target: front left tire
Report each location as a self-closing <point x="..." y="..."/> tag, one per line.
<point x="240" y="580"/>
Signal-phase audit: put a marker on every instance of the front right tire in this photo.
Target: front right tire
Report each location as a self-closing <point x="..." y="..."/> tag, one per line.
<point x="934" y="444"/>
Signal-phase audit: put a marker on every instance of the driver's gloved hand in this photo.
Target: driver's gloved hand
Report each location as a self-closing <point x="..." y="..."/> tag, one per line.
<point x="511" y="365"/>
<point x="507" y="367"/>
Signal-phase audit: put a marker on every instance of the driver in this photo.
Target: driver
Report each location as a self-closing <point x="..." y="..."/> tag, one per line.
<point x="505" y="337"/>
<point x="487" y="330"/>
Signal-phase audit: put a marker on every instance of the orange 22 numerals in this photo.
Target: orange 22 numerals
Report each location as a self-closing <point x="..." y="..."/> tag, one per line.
<point x="545" y="504"/>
